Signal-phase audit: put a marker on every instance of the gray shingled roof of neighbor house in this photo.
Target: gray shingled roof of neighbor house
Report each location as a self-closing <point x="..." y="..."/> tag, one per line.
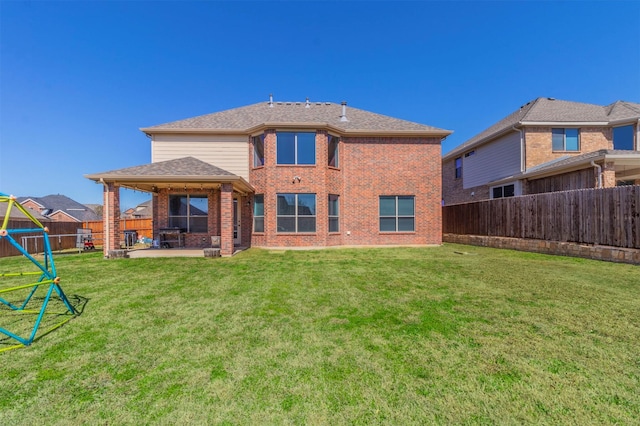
<point x="549" y="110"/>
<point x="62" y="203"/>
<point x="247" y="118"/>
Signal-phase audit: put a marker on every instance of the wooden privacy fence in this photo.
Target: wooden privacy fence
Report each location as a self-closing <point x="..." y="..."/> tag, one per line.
<point x="607" y="216"/>
<point x="62" y="235"/>
<point x="144" y="227"/>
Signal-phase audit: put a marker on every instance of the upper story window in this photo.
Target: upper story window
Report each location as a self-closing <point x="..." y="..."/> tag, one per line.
<point x="258" y="151"/>
<point x="623" y="138"/>
<point x="188" y="212"/>
<point x="458" y="167"/>
<point x="333" y="151"/>
<point x="565" y="139"/>
<point x="296" y="148"/>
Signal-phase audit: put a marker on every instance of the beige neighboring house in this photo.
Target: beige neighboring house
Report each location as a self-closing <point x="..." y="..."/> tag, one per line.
<point x="546" y="145"/>
<point x="143" y="210"/>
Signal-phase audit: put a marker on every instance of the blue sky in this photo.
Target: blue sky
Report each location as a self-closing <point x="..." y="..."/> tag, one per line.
<point x="78" y="79"/>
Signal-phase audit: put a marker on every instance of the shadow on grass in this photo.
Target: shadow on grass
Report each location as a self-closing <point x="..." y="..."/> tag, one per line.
<point x="22" y="323"/>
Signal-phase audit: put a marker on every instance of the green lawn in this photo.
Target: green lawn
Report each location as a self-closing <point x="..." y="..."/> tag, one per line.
<point x="446" y="335"/>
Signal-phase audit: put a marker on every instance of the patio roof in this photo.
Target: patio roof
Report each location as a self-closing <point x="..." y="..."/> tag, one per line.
<point x="186" y="173"/>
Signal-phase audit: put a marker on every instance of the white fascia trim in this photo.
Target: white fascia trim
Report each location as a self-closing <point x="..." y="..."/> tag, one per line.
<point x="565" y="123"/>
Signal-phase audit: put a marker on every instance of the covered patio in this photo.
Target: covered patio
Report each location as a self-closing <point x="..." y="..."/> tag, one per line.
<point x="192" y="198"/>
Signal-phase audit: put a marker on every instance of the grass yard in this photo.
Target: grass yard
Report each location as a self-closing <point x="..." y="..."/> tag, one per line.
<point x="447" y="335"/>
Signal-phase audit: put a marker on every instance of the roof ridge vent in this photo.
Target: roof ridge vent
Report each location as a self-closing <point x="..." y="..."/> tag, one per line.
<point x="343" y="117"/>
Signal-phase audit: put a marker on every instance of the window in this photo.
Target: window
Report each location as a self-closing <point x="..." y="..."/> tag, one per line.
<point x="333" y="151"/>
<point x="296" y="148"/>
<point x="469" y="154"/>
<point x="258" y="151"/>
<point x="334" y="213"/>
<point x="458" y="167"/>
<point x="397" y="213"/>
<point x="503" y="191"/>
<point x="188" y="212"/>
<point x="623" y="138"/>
<point x="258" y="213"/>
<point x="296" y="213"/>
<point x="565" y="139"/>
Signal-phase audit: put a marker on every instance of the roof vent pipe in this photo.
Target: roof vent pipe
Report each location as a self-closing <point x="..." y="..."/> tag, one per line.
<point x="343" y="117"/>
<point x="308" y="104"/>
<point x="270" y="100"/>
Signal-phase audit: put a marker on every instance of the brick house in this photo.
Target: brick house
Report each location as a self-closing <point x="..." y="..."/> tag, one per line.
<point x="288" y="174"/>
<point x="546" y="145"/>
<point x="59" y="208"/>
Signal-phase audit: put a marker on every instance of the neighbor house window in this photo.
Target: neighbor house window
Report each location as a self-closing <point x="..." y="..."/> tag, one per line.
<point x="296" y="148"/>
<point x="458" y="167"/>
<point x="258" y="213"/>
<point x="296" y="213"/>
<point x="397" y="213"/>
<point x="334" y="213"/>
<point x="565" y="139"/>
<point x="333" y="151"/>
<point x="503" y="191"/>
<point x="188" y="212"/>
<point x="258" y="151"/>
<point x="623" y="138"/>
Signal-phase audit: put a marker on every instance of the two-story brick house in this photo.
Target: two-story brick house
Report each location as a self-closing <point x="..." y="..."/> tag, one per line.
<point x="546" y="145"/>
<point x="288" y="174"/>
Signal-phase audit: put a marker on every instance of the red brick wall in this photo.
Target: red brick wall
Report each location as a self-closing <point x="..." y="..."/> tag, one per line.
<point x="369" y="167"/>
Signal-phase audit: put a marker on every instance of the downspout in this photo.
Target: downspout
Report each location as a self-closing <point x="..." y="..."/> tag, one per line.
<point x="105" y="213"/>
<point x="598" y="172"/>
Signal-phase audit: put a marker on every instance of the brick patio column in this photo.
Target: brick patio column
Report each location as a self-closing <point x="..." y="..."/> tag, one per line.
<point x="608" y="175"/>
<point x="111" y="218"/>
<point x="226" y="219"/>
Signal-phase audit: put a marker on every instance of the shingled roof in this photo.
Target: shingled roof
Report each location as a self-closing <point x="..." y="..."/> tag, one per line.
<point x="55" y="203"/>
<point x="183" y="171"/>
<point x="549" y="110"/>
<point x="251" y="118"/>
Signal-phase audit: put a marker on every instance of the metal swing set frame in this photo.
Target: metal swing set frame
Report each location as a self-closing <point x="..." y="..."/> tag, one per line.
<point x="46" y="273"/>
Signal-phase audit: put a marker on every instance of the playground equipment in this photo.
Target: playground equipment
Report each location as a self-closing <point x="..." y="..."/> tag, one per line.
<point x="25" y="299"/>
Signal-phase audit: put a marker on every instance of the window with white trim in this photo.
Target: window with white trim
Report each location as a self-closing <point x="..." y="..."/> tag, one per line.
<point x="397" y="213"/>
<point x="565" y="139"/>
<point x="503" y="191"/>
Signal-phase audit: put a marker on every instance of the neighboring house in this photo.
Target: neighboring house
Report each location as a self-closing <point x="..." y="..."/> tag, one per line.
<point x="16" y="214"/>
<point x="288" y="174"/>
<point x="546" y="145"/>
<point x="143" y="210"/>
<point x="59" y="208"/>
